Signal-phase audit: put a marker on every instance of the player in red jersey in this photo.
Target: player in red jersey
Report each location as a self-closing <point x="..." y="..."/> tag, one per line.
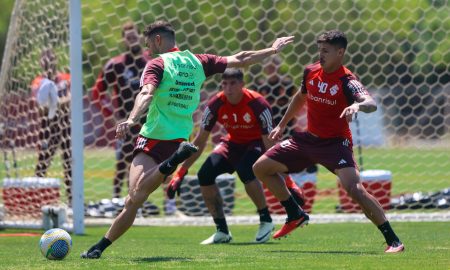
<point x="334" y="96"/>
<point x="247" y="118"/>
<point x="122" y="73"/>
<point x="170" y="93"/>
<point x="51" y="91"/>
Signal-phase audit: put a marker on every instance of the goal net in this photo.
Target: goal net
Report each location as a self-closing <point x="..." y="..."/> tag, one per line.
<point x="398" y="50"/>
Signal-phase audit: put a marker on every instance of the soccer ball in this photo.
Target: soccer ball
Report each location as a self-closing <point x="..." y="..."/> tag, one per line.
<point x="55" y="244"/>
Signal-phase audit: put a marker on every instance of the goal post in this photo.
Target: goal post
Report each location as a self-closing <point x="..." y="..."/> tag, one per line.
<point x="77" y="115"/>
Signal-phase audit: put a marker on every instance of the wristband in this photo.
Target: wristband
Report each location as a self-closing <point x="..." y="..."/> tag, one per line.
<point x="182" y="171"/>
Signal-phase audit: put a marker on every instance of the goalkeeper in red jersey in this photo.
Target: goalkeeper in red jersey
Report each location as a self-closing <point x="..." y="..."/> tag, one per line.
<point x="247" y="118"/>
<point x="170" y="93"/>
<point x="333" y="96"/>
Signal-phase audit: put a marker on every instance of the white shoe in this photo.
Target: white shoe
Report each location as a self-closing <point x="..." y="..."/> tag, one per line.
<point x="170" y="207"/>
<point x="218" y="238"/>
<point x="264" y="232"/>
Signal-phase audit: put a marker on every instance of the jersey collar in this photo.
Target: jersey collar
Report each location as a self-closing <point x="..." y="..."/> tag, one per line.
<point x="174" y="49"/>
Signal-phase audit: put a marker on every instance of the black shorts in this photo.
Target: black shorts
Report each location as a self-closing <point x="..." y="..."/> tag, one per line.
<point x="229" y="157"/>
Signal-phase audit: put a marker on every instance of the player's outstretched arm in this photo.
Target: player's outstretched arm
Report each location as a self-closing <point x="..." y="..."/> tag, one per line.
<point x="364" y="103"/>
<point x="141" y="103"/>
<point x="246" y="58"/>
<point x="295" y="105"/>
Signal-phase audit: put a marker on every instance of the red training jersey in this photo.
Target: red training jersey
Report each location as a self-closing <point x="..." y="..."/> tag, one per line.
<point x="328" y="94"/>
<point x="244" y="122"/>
<point x="122" y="73"/>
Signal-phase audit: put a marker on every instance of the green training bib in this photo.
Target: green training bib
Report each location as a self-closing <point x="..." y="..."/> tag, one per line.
<point x="176" y="98"/>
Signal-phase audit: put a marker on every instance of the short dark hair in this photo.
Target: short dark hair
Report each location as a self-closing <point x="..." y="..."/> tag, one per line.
<point x="233" y="73"/>
<point x="160" y="27"/>
<point x="333" y="37"/>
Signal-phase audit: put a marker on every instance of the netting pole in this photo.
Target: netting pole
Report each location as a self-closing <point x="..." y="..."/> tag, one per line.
<point x="77" y="116"/>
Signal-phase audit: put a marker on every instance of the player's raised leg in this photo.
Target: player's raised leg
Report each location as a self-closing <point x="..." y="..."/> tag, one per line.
<point x="350" y="180"/>
<point x="295" y="190"/>
<point x="268" y="171"/>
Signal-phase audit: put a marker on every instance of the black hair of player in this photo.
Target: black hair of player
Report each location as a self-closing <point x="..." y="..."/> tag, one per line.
<point x="160" y="27"/>
<point x="334" y="37"/>
<point x="233" y="73"/>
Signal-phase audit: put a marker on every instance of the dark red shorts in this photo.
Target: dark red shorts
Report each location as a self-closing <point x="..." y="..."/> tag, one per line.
<point x="303" y="150"/>
<point x="159" y="150"/>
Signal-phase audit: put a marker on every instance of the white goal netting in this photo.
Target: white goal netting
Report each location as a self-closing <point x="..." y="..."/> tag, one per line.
<point x="399" y="51"/>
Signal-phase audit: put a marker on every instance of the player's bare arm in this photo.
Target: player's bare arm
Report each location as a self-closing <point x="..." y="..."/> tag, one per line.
<point x="268" y="143"/>
<point x="295" y="105"/>
<point x="246" y="58"/>
<point x="142" y="101"/>
<point x="364" y="103"/>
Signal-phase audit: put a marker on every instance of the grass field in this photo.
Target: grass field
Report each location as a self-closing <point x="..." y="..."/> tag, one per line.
<point x="318" y="246"/>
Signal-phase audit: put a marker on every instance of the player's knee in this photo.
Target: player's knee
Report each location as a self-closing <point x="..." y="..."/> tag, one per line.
<point x="246" y="175"/>
<point x="206" y="176"/>
<point x="134" y="200"/>
<point x="259" y="169"/>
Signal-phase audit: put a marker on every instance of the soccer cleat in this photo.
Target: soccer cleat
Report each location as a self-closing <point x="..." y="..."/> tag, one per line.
<point x="289" y="226"/>
<point x="264" y="231"/>
<point x="185" y="150"/>
<point x="298" y="195"/>
<point x="170" y="207"/>
<point x="395" y="247"/>
<point x="92" y="253"/>
<point x="218" y="238"/>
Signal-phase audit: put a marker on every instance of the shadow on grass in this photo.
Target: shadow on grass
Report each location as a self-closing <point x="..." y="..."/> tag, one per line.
<point x="340" y="252"/>
<point x="249" y="244"/>
<point x="163" y="259"/>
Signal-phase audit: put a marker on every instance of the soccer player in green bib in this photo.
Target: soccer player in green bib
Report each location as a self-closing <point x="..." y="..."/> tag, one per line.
<point x="170" y="91"/>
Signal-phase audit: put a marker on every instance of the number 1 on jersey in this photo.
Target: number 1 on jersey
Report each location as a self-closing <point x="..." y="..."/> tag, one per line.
<point x="235" y="117"/>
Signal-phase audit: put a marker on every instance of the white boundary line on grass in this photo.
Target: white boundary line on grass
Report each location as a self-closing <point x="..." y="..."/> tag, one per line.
<point x="182" y="220"/>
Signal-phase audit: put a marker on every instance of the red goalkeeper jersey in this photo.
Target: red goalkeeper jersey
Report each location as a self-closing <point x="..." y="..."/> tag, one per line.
<point x="244" y="122"/>
<point x="328" y="94"/>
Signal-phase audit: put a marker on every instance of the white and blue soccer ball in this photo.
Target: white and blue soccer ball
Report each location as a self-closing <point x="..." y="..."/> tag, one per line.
<point x="55" y="244"/>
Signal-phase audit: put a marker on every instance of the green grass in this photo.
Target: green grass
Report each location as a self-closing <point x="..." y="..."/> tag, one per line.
<point x="318" y="246"/>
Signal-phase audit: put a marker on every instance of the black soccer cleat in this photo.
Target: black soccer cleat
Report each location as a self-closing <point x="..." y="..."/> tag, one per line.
<point x="92" y="253"/>
<point x="185" y="150"/>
